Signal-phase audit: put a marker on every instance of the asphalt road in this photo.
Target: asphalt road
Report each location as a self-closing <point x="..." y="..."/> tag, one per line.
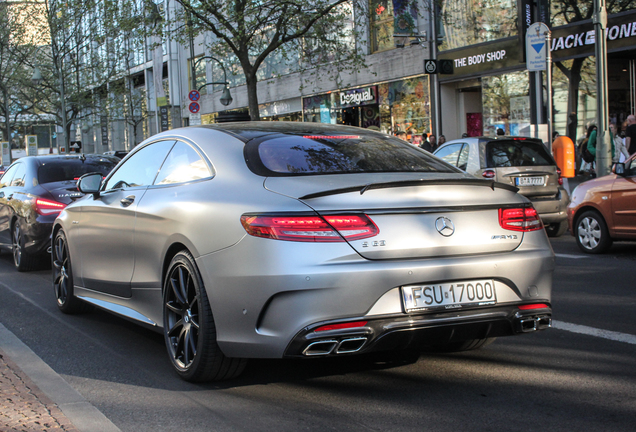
<point x="552" y="380"/>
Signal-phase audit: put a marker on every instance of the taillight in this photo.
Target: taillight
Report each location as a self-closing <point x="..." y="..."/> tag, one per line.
<point x="330" y="228"/>
<point x="488" y="174"/>
<point x="519" y="219"/>
<point x="342" y="326"/>
<point x="48" y="207"/>
<point x="533" y="306"/>
<point x="560" y="178"/>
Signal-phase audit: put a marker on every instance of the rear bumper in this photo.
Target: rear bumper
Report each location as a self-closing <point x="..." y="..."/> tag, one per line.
<point x="414" y="331"/>
<point x="552" y="209"/>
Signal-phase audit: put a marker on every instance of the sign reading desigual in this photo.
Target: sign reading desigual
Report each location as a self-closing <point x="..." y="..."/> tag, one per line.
<point x="357" y="97"/>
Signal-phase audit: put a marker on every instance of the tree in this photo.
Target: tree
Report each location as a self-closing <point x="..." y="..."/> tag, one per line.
<point x="14" y="37"/>
<point x="79" y="58"/>
<point x="294" y="32"/>
<point x="568" y="11"/>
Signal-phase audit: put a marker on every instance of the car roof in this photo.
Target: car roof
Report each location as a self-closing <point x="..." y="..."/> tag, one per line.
<point x="495" y="138"/>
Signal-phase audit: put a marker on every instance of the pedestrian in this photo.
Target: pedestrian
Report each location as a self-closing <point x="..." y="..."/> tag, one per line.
<point x="433" y="141"/>
<point x="426" y="144"/>
<point x="416" y="140"/>
<point x="586" y="159"/>
<point x="630" y="134"/>
<point x="591" y="148"/>
<point x="464" y="135"/>
<point x="619" y="151"/>
<point x="441" y="140"/>
<point x="500" y="132"/>
<point x="401" y="135"/>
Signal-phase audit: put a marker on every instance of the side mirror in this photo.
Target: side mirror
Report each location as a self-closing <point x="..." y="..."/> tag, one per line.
<point x="90" y="183"/>
<point x="619" y="169"/>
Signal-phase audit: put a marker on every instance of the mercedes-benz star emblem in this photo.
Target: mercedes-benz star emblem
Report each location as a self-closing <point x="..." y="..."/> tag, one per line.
<point x="445" y="226"/>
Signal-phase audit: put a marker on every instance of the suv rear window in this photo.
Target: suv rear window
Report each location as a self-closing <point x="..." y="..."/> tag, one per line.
<point x="512" y="153"/>
<point x="288" y="155"/>
<point x="58" y="170"/>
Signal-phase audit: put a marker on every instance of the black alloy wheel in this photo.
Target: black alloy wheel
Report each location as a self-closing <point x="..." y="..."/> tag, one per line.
<point x="592" y="235"/>
<point x="63" y="277"/>
<point x="22" y="260"/>
<point x="188" y="326"/>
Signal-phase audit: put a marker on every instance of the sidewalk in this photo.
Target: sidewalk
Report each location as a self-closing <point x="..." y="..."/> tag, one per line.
<point x="34" y="398"/>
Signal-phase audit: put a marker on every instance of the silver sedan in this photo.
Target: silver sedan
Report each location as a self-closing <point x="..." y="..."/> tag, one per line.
<point x="292" y="240"/>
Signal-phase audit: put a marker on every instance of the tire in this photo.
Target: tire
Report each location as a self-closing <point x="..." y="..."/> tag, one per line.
<point x="22" y="260"/>
<point x="63" y="287"/>
<point x="556" y="229"/>
<point x="591" y="233"/>
<point x="188" y="326"/>
<point x="460" y="346"/>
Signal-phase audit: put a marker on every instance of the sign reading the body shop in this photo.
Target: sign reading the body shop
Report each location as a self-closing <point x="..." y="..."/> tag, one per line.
<point x="482" y="58"/>
<point x="358" y="97"/>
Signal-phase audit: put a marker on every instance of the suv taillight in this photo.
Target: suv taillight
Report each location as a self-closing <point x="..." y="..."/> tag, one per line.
<point x="47" y="207"/>
<point x="330" y="228"/>
<point x="520" y="219"/>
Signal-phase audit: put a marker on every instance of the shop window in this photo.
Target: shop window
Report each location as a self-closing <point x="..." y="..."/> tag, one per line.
<point x="506" y="104"/>
<point x="405" y="106"/>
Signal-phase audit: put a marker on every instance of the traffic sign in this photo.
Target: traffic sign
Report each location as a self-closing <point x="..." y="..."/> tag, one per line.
<point x="536" y="49"/>
<point x="430" y="66"/>
<point x="194" y="95"/>
<point x="194" y="107"/>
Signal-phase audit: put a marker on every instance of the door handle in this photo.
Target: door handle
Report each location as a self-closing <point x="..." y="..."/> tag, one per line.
<point x="128" y="200"/>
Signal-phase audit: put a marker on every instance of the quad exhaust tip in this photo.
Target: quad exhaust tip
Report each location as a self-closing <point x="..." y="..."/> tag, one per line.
<point x="326" y="347"/>
<point x="530" y="324"/>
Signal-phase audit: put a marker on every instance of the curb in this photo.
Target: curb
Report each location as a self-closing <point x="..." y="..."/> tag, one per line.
<point x="84" y="416"/>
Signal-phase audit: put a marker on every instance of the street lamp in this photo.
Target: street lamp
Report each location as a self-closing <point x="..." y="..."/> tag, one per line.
<point x="226" y="97"/>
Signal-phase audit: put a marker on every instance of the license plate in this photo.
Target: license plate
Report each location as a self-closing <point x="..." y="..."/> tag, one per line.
<point x="529" y="181"/>
<point x="449" y="296"/>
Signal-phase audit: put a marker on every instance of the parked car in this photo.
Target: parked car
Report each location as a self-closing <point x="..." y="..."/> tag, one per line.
<point x="604" y="209"/>
<point x="518" y="161"/>
<point x="33" y="191"/>
<point x="300" y="240"/>
<point x="117" y="153"/>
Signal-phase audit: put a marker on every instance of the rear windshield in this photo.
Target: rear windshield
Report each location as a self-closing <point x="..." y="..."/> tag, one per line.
<point x="71" y="169"/>
<point x="288" y="155"/>
<point x="516" y="153"/>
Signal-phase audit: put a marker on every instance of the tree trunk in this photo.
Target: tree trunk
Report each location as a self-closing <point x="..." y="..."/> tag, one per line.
<point x="252" y="97"/>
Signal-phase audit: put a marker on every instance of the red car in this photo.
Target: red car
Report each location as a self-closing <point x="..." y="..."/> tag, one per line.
<point x="604" y="209"/>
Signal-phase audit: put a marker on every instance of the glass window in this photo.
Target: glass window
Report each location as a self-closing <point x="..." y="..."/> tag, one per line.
<point x="183" y="164"/>
<point x="461" y="24"/>
<point x="73" y="169"/>
<point x="462" y="164"/>
<point x="339" y="154"/>
<point x="5" y="181"/>
<point x="382" y="21"/>
<point x="141" y="168"/>
<point x="506" y="103"/>
<point x="508" y="153"/>
<point x="450" y="153"/>
<point x="18" y="178"/>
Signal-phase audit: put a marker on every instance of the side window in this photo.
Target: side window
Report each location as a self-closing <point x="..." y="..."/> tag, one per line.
<point x="183" y="164"/>
<point x="450" y="153"/>
<point x="5" y="181"/>
<point x="462" y="164"/>
<point x="141" y="168"/>
<point x="18" y="178"/>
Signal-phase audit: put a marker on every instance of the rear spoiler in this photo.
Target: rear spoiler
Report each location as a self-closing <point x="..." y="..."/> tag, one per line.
<point x="406" y="183"/>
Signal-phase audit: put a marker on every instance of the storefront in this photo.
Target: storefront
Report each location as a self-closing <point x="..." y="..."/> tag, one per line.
<point x="490" y="86"/>
<point x="389" y="107"/>
<point x="284" y="110"/>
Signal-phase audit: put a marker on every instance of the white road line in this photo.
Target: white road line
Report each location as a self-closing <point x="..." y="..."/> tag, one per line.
<point x="560" y="255"/>
<point x="591" y="331"/>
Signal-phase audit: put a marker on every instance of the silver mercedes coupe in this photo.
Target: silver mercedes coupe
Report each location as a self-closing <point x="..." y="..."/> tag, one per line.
<point x="299" y="240"/>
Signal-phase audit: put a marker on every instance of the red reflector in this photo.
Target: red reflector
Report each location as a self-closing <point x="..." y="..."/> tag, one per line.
<point x="47" y="207"/>
<point x="519" y="139"/>
<point x="520" y="219"/>
<point x="331" y="228"/>
<point x="342" y="326"/>
<point x="533" y="306"/>
<point x="488" y="174"/>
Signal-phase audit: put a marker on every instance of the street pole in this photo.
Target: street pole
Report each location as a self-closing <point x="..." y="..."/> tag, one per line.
<point x="548" y="77"/>
<point x="603" y="144"/>
<point x="6" y="117"/>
